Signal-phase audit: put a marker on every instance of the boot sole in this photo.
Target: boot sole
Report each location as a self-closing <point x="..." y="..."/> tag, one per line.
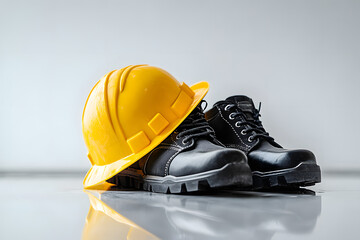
<point x="303" y="175"/>
<point x="238" y="174"/>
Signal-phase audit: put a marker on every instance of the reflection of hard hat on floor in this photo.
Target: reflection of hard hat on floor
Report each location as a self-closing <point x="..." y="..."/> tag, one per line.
<point x="102" y="222"/>
<point x="129" y="112"/>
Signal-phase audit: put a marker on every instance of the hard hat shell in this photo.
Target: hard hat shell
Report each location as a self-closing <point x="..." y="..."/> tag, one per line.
<point x="129" y="112"/>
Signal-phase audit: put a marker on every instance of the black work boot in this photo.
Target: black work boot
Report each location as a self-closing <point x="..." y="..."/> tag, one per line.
<point x="237" y="125"/>
<point x="191" y="159"/>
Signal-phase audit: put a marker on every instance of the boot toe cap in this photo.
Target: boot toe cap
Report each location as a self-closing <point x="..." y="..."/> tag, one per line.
<point x="190" y="162"/>
<point x="271" y="161"/>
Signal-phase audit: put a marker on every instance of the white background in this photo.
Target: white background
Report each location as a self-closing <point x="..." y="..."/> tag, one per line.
<point x="301" y="59"/>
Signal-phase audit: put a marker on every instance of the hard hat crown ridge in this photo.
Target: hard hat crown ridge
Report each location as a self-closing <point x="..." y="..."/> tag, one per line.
<point x="129" y="112"/>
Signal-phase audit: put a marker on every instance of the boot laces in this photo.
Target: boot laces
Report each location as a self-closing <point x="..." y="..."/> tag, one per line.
<point x="195" y="125"/>
<point x="253" y="126"/>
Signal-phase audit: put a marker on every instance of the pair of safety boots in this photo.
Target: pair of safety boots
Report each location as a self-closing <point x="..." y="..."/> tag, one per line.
<point x="147" y="131"/>
<point x="225" y="147"/>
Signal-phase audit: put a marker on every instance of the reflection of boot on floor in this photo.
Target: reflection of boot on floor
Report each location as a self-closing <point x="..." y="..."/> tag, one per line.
<point x="237" y="124"/>
<point x="248" y="215"/>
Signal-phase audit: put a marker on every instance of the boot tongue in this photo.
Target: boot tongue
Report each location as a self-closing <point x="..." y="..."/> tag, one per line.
<point x="194" y="115"/>
<point x="245" y="104"/>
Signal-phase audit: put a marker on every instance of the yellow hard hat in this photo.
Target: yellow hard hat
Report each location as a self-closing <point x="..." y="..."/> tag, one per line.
<point x="102" y="222"/>
<point x="129" y="112"/>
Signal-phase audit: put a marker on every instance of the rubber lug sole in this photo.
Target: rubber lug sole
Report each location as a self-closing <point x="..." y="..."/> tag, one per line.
<point x="303" y="175"/>
<point x="238" y="174"/>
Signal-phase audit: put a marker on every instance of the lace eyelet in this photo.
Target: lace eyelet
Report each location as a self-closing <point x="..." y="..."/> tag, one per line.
<point x="227" y="107"/>
<point x="250" y="139"/>
<point x="184" y="142"/>
<point x="231" y="116"/>
<point x="243" y="132"/>
<point x="177" y="137"/>
<point x="237" y="124"/>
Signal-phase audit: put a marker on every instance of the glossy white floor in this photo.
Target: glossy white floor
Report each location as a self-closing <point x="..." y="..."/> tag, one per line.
<point x="58" y="208"/>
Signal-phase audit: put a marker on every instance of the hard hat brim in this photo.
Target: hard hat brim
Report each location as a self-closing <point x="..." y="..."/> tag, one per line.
<point x="98" y="174"/>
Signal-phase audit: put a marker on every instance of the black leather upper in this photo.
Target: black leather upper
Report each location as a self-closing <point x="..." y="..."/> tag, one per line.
<point x="265" y="157"/>
<point x="204" y="156"/>
<point x="263" y="153"/>
<point x="181" y="155"/>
